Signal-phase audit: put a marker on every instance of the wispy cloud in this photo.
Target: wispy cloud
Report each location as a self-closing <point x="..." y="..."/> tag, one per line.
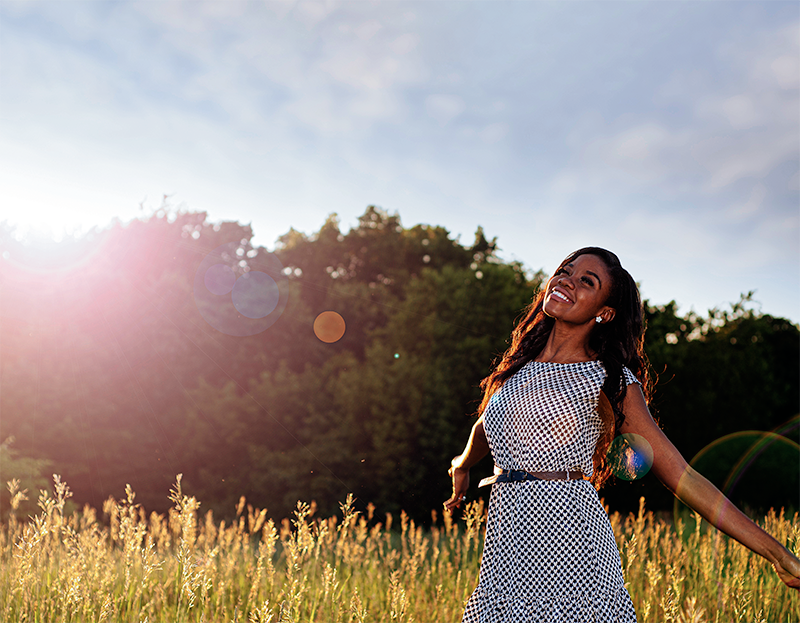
<point x="724" y="168"/>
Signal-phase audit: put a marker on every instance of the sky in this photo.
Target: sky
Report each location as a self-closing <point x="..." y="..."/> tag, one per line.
<point x="666" y="131"/>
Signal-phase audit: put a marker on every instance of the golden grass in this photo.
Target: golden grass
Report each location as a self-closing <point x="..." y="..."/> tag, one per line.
<point x="186" y="567"/>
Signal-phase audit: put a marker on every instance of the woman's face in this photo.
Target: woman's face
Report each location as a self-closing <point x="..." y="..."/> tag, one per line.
<point x="578" y="291"/>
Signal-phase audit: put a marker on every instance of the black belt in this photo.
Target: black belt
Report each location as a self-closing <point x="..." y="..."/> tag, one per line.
<point x="518" y="475"/>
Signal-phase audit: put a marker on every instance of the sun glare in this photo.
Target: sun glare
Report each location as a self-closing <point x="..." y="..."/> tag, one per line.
<point x="50" y="205"/>
<point x="40" y="223"/>
<point x="45" y="238"/>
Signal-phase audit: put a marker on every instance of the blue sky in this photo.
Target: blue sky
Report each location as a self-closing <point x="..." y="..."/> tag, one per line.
<point x="665" y="131"/>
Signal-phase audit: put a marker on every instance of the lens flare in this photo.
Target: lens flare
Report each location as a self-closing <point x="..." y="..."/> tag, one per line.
<point x="240" y="292"/>
<point x="219" y="279"/>
<point x="749" y="467"/>
<point x="630" y="456"/>
<point x="329" y="327"/>
<point x="255" y="294"/>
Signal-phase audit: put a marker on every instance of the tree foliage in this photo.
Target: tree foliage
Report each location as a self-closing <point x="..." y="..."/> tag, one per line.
<point x="110" y="374"/>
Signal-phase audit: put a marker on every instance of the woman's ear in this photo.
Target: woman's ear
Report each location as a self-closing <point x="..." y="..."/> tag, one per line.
<point x="607" y="314"/>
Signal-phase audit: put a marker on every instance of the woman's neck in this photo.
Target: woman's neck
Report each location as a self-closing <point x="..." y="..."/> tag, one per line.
<point x="567" y="345"/>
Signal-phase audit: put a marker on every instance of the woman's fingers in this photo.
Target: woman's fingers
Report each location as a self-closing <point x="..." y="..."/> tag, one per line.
<point x="458" y="497"/>
<point x="456" y="500"/>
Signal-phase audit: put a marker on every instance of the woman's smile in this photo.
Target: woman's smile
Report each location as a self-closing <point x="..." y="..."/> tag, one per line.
<point x="560" y="294"/>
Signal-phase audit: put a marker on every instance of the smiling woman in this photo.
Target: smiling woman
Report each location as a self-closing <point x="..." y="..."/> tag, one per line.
<point x="576" y="371"/>
<point x="579" y="291"/>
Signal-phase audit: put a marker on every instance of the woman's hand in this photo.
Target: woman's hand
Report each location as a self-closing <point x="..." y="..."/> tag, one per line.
<point x="477" y="448"/>
<point x="701" y="495"/>
<point x="460" y="478"/>
<point x="788" y="570"/>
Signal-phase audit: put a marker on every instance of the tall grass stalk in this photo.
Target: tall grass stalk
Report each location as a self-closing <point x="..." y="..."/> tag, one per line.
<point x="185" y="566"/>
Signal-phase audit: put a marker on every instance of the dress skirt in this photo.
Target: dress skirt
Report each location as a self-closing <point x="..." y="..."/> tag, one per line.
<point x="549" y="557"/>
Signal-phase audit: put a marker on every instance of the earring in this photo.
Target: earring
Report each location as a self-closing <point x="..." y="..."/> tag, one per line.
<point x="599" y="319"/>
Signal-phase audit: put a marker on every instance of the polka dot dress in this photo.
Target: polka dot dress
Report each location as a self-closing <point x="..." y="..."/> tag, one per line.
<point x="550" y="554"/>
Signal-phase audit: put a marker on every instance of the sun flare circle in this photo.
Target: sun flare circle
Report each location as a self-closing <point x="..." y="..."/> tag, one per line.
<point x="630" y="456"/>
<point x="240" y="292"/>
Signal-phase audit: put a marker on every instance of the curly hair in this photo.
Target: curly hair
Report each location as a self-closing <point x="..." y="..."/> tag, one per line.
<point x="617" y="343"/>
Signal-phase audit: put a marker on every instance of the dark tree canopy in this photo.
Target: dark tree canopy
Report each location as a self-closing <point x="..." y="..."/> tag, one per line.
<point x="110" y="374"/>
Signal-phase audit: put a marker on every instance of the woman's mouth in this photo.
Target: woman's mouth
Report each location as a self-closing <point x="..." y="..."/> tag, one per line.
<point x="560" y="295"/>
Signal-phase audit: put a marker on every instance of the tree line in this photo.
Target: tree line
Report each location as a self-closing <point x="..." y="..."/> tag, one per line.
<point x="115" y="368"/>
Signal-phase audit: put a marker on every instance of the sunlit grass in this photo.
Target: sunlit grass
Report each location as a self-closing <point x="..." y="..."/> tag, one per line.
<point x="185" y="566"/>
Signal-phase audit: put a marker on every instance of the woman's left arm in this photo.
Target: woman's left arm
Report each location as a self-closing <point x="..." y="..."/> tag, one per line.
<point x="698" y="493"/>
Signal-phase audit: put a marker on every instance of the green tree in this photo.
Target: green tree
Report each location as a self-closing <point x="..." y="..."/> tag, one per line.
<point x="109" y="371"/>
<point x="734" y="370"/>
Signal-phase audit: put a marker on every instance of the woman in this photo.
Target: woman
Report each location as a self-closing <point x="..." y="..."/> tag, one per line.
<point x="574" y="377"/>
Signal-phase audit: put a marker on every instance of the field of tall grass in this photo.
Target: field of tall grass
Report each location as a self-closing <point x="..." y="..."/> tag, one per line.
<point x="185" y="566"/>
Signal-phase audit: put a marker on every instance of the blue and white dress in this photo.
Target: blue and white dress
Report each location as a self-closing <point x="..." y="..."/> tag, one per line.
<point x="550" y="554"/>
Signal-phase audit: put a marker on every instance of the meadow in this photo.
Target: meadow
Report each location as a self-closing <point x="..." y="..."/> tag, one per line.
<point x="185" y="566"/>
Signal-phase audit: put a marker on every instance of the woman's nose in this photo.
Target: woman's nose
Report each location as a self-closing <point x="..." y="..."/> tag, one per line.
<point x="564" y="281"/>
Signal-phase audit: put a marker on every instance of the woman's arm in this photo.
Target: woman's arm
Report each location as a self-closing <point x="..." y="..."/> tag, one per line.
<point x="477" y="448"/>
<point x="698" y="493"/>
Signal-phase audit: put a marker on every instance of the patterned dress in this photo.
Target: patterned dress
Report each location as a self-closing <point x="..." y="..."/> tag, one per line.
<point x="550" y="554"/>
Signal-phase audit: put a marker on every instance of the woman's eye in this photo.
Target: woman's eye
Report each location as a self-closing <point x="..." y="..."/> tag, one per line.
<point x="587" y="281"/>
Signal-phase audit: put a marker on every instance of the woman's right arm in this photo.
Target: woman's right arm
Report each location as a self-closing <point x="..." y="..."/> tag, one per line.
<point x="477" y="448"/>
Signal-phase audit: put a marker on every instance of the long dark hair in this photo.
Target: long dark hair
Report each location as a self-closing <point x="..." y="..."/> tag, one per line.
<point x="617" y="343"/>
